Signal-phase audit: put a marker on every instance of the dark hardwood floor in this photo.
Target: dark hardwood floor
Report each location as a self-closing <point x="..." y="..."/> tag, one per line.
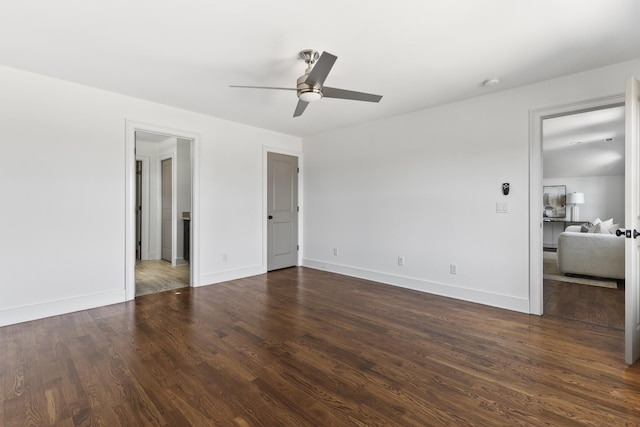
<point x="591" y="304"/>
<point x="300" y="347"/>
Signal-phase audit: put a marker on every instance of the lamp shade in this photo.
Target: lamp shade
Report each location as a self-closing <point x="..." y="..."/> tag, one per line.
<point x="575" y="198"/>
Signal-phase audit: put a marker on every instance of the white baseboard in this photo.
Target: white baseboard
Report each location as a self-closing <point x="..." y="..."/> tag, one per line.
<point x="442" y="289"/>
<point x="15" y="315"/>
<point x="225" y="276"/>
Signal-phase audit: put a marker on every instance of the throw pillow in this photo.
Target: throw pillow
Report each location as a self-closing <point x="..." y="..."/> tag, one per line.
<point x="600" y="226"/>
<point x="602" y="229"/>
<point x="595" y="229"/>
<point x="606" y="224"/>
<point x="584" y="229"/>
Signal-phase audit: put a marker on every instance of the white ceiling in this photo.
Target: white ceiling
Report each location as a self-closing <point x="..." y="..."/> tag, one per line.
<point x="577" y="145"/>
<point x="152" y="137"/>
<point x="415" y="53"/>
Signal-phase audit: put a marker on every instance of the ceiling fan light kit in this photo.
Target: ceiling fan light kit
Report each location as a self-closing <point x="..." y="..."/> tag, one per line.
<point x="310" y="95"/>
<point x="310" y="86"/>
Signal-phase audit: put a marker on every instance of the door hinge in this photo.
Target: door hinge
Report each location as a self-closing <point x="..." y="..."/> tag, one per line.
<point x="298" y="247"/>
<point x="298" y="170"/>
<point x="297" y="208"/>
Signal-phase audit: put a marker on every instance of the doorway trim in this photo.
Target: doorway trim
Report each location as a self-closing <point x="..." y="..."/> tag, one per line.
<point x="131" y="127"/>
<point x="265" y="190"/>
<point x="144" y="247"/>
<point x="535" y="185"/>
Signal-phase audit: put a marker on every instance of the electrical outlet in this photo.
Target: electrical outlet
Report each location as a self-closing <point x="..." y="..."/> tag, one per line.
<point x="335" y="251"/>
<point x="453" y="268"/>
<point x="401" y="260"/>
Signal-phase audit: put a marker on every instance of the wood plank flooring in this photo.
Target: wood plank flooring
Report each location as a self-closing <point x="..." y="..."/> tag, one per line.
<point x="585" y="303"/>
<point x="300" y="347"/>
<point x="591" y="304"/>
<point x="159" y="275"/>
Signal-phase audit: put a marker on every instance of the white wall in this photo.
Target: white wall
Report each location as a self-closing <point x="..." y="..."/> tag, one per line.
<point x="604" y="196"/>
<point x="62" y="180"/>
<point x="425" y="186"/>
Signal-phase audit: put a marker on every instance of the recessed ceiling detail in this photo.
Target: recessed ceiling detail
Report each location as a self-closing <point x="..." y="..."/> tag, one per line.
<point x="491" y="82"/>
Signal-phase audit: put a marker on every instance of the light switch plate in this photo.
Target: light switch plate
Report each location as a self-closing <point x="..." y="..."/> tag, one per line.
<point x="502" y="207"/>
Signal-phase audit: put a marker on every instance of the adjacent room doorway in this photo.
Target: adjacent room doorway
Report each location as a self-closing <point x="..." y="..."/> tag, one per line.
<point x="584" y="161"/>
<point x="166" y="199"/>
<point x="632" y="206"/>
<point x="161" y="207"/>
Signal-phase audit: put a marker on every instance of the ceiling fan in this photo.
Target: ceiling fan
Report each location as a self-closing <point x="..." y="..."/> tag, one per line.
<point x="310" y="86"/>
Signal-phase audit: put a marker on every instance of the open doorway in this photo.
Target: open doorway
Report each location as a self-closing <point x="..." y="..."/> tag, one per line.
<point x="583" y="205"/>
<point x="163" y="212"/>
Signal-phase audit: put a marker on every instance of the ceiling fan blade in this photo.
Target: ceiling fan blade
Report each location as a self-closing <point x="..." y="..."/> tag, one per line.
<point x="321" y="68"/>
<point x="300" y="108"/>
<point x="332" y="92"/>
<point x="264" y="87"/>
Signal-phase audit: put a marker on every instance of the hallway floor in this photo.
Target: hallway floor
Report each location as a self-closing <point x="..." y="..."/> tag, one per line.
<point x="158" y="275"/>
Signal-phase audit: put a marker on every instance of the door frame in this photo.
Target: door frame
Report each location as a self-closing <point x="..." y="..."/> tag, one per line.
<point x="145" y="187"/>
<point x="131" y="127"/>
<point x="265" y="192"/>
<point x="536" y="117"/>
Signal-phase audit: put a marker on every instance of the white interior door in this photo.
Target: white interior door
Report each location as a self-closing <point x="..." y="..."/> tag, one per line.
<point x="282" y="211"/>
<point x="632" y="214"/>
<point x="167" y="209"/>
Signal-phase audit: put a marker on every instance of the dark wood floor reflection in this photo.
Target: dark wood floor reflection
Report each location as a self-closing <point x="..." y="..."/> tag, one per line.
<point x="591" y="304"/>
<point x="301" y="347"/>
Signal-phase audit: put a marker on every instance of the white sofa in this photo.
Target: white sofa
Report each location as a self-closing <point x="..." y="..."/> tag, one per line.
<point x="591" y="254"/>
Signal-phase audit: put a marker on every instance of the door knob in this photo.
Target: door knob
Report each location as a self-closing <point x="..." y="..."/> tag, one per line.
<point x="627" y="233"/>
<point x="270" y="217"/>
